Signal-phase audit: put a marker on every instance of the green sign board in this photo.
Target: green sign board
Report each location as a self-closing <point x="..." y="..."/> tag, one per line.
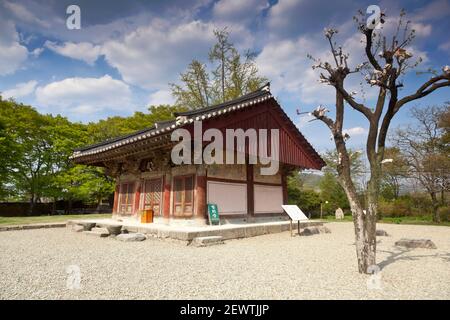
<point x="213" y="214"/>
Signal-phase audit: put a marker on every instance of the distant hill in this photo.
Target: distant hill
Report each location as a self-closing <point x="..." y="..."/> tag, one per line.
<point x="311" y="180"/>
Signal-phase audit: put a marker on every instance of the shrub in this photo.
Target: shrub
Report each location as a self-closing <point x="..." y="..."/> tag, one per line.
<point x="444" y="213"/>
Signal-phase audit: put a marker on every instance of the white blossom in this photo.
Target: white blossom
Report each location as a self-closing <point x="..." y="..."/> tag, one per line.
<point x="446" y="70"/>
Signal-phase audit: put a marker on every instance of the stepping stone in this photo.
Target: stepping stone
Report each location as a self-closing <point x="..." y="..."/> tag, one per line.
<point x="127" y="237"/>
<point x="100" y="230"/>
<point x="382" y="233"/>
<point x="114" y="229"/>
<point x="416" y="243"/>
<point x="87" y="225"/>
<point x="207" y="241"/>
<point x="309" y="231"/>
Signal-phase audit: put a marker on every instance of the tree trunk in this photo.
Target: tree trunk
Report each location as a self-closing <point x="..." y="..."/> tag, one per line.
<point x="69" y="209"/>
<point x="31" y="209"/>
<point x="365" y="233"/>
<point x="365" y="227"/>
<point x="54" y="206"/>
<point x="436" y="217"/>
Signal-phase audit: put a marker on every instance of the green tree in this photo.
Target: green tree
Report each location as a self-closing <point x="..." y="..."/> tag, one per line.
<point x="232" y="76"/>
<point x="117" y="126"/>
<point x="307" y="200"/>
<point x="221" y="55"/>
<point x="89" y="184"/>
<point x="332" y="191"/>
<point x="197" y="91"/>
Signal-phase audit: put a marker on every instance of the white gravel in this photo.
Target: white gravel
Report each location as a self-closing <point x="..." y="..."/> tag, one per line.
<point x="33" y="266"/>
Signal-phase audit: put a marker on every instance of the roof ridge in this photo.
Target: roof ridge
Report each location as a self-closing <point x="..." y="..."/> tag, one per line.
<point x="251" y="95"/>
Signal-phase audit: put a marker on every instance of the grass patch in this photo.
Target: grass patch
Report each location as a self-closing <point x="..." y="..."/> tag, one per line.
<point x="418" y="220"/>
<point x="55" y="218"/>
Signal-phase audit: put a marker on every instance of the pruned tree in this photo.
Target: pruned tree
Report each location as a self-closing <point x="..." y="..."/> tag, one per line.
<point x="387" y="61"/>
<point x="420" y="145"/>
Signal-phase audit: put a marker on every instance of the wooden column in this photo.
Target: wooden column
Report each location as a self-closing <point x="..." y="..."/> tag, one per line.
<point x="167" y="185"/>
<point x="284" y="187"/>
<point x="250" y="191"/>
<point x="116" y="198"/>
<point x="200" y="195"/>
<point x="137" y="196"/>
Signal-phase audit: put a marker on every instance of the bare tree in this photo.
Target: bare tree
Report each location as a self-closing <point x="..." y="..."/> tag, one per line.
<point x="382" y="71"/>
<point x="421" y="147"/>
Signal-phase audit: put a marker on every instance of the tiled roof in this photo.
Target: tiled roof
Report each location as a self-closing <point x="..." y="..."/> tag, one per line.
<point x="182" y="118"/>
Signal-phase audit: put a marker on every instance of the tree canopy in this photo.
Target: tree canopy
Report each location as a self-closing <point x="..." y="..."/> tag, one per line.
<point x="232" y="75"/>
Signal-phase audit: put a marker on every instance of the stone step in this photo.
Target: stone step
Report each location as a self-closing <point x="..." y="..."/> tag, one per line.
<point x="207" y="241"/>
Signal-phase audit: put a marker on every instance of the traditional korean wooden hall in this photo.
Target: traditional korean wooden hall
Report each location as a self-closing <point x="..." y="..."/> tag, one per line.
<point x="146" y="177"/>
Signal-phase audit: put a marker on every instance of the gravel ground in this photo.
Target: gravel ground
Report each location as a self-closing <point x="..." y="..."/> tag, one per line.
<point x="33" y="266"/>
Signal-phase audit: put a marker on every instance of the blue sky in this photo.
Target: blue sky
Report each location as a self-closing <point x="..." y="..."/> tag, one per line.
<point x="126" y="52"/>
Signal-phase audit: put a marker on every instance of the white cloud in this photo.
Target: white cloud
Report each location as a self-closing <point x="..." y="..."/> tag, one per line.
<point x="445" y="46"/>
<point x="12" y="53"/>
<point x="422" y="30"/>
<point x="37" y="52"/>
<point x="21" y="12"/>
<point x="238" y="10"/>
<point x="154" y="55"/>
<point x="356" y="131"/>
<point x="84" y="51"/>
<point x="84" y="95"/>
<point x="433" y="10"/>
<point x="161" y="97"/>
<point x="20" y="90"/>
<point x="286" y="64"/>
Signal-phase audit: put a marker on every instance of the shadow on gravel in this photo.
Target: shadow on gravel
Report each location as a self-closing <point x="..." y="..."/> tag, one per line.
<point x="395" y="256"/>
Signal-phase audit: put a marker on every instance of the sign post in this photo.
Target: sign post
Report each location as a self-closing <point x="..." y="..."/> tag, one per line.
<point x="213" y="214"/>
<point x="295" y="214"/>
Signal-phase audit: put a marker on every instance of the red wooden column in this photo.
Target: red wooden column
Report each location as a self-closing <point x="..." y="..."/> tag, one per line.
<point x="137" y="196"/>
<point x="167" y="184"/>
<point x="284" y="186"/>
<point x="200" y="195"/>
<point x="116" y="198"/>
<point x="250" y="191"/>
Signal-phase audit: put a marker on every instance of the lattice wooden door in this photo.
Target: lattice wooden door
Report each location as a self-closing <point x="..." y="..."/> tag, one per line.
<point x="153" y="195"/>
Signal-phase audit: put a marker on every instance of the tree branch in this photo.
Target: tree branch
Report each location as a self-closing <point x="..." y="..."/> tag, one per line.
<point x="355" y="105"/>
<point x="368" y="32"/>
<point x="427" y="88"/>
